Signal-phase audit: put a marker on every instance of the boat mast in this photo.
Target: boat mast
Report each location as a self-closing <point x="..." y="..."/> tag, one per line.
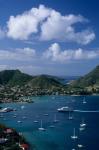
<point x="74" y="132"/>
<point x="41" y="123"/>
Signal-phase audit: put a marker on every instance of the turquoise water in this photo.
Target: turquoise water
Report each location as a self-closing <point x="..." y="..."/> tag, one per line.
<point x="58" y="137"/>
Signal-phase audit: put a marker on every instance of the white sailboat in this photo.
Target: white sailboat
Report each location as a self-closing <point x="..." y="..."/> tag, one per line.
<point x="83" y="124"/>
<point x="41" y="127"/>
<point x="80" y="145"/>
<point x="55" y="119"/>
<point x="51" y="126"/>
<point x="70" y="116"/>
<point x="19" y="121"/>
<point x="74" y="135"/>
<point x="82" y="128"/>
<point x="45" y="114"/>
<point x="84" y="101"/>
<point x="35" y="121"/>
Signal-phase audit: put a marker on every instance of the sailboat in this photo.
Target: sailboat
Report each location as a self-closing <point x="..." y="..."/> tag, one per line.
<point x="83" y="124"/>
<point x="35" y="121"/>
<point x="55" y="119"/>
<point x="51" y="126"/>
<point x="80" y="145"/>
<point x="70" y="116"/>
<point x="74" y="135"/>
<point x="41" y="128"/>
<point x="19" y="121"/>
<point x="84" y="101"/>
<point x="45" y="114"/>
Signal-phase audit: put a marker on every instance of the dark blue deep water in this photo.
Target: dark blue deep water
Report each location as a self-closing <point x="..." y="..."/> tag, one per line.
<point x="59" y="137"/>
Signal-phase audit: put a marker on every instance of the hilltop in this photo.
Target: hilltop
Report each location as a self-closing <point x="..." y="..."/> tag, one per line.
<point x="14" y="85"/>
<point x="90" y="79"/>
<point x="14" y="77"/>
<point x="17" y="78"/>
<point x="44" y="82"/>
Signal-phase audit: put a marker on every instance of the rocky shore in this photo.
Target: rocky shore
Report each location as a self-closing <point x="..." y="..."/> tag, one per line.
<point x="11" y="140"/>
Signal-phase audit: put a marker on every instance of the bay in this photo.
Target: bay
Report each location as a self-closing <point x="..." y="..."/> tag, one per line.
<point x="57" y="136"/>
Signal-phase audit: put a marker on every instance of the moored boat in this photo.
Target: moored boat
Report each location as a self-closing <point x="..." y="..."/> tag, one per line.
<point x="65" y="109"/>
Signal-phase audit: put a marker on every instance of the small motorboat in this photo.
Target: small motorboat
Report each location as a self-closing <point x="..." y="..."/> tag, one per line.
<point x="6" y="109"/>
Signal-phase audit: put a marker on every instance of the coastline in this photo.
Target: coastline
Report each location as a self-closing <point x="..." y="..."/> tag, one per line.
<point x="10" y="139"/>
<point x="25" y="102"/>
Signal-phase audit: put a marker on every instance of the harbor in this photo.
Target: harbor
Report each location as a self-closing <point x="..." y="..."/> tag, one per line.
<point x="40" y="122"/>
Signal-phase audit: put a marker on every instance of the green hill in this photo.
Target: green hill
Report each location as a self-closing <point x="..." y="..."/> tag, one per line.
<point x="90" y="79"/>
<point x="44" y="82"/>
<point x="14" y="77"/>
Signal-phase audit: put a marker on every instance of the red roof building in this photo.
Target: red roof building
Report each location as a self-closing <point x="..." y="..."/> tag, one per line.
<point x="24" y="146"/>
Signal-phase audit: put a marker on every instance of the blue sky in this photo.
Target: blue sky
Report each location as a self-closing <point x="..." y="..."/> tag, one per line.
<point x="57" y="37"/>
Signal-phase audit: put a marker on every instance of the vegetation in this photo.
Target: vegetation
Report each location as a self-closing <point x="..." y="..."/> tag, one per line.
<point x="17" y="78"/>
<point x="10" y="139"/>
<point x="44" y="82"/>
<point x="14" y="77"/>
<point x="90" y="79"/>
<point x="16" y="85"/>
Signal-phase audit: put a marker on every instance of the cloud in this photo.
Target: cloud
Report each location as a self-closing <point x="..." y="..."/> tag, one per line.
<point x="48" y="24"/>
<point x="55" y="54"/>
<point x="48" y="61"/>
<point x="58" y="27"/>
<point x="22" y="26"/>
<point x="18" y="54"/>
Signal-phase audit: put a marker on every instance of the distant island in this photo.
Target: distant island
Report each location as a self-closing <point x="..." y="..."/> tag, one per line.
<point x="16" y="86"/>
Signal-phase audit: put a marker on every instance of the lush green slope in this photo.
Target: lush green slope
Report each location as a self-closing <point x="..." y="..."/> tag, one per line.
<point x="44" y="82"/>
<point x="14" y="77"/>
<point x="89" y="79"/>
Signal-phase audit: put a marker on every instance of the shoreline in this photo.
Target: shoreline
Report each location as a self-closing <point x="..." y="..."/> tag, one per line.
<point x="10" y="139"/>
<point x="22" y="102"/>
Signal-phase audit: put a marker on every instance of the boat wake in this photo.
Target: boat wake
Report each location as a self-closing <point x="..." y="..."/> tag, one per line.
<point x="87" y="111"/>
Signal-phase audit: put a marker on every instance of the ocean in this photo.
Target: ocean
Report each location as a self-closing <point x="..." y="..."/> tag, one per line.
<point x="57" y="135"/>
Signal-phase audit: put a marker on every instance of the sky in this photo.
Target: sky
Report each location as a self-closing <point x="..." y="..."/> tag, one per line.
<point x="56" y="37"/>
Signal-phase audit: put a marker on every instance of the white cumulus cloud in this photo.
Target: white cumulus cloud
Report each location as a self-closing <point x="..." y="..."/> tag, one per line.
<point x="61" y="28"/>
<point x="55" y="54"/>
<point x="22" y="26"/>
<point x="48" y="24"/>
